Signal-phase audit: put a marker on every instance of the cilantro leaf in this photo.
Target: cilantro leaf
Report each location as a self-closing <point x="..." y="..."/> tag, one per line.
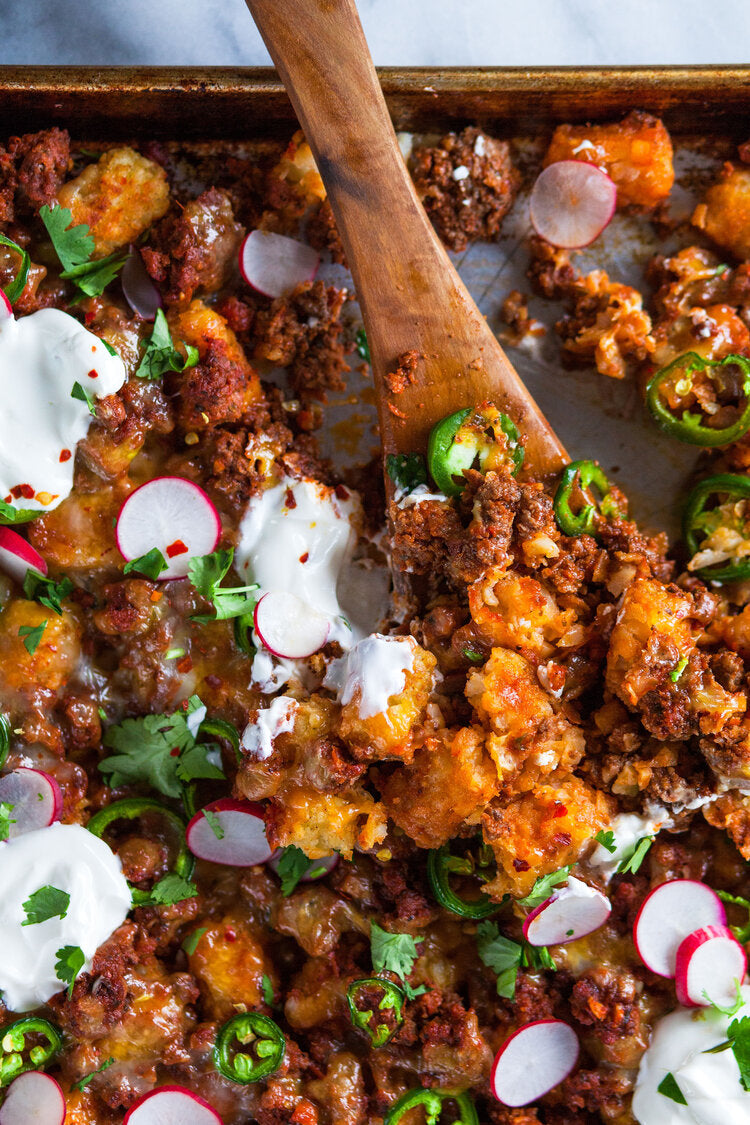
<point x="473" y="655"/>
<point x="47" y="902"/>
<point x="406" y="470"/>
<point x="81" y="1086"/>
<point x="214" y="823"/>
<point x="190" y="944"/>
<point x="738" y="1033"/>
<point x="93" y="277"/>
<point x="201" y="761"/>
<point x="393" y="952"/>
<point x="292" y="865"/>
<point x="46" y="591"/>
<point x="6" y="819"/>
<point x="607" y="840"/>
<point x="730" y="1009"/>
<point x="205" y="574"/>
<point x="267" y="990"/>
<point x="9" y="514"/>
<point x="544" y="886"/>
<point x="669" y="1088"/>
<point x="83" y="395"/>
<point x="501" y="955"/>
<point x="70" y="961"/>
<point x="742" y="933"/>
<point x="32" y="635"/>
<point x="73" y="245"/>
<point x="150" y="565"/>
<point x="632" y="863"/>
<point x="362" y="346"/>
<point x="171" y="889"/>
<point x="161" y="355"/>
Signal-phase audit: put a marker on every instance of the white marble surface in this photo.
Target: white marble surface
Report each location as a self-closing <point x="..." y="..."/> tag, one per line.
<point x="401" y="32"/>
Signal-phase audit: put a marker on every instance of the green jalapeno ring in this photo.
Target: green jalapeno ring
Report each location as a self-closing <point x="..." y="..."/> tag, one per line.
<point x="583" y="522"/>
<point x="18" y="284"/>
<point x="221" y="728"/>
<point x="13" y="1043"/>
<point x="448" y="459"/>
<point x="131" y="808"/>
<point x="735" y="485"/>
<point x="432" y="1103"/>
<point x="439" y="871"/>
<point x="4" y="738"/>
<point x="689" y="427"/>
<point x="393" y="999"/>
<point x="242" y="628"/>
<point x="247" y="1027"/>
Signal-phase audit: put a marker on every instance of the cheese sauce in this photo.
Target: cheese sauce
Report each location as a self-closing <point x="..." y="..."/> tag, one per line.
<point x="42" y="357"/>
<point x="71" y="859"/>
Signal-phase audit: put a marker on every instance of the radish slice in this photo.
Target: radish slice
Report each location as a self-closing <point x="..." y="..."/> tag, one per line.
<point x="36" y="799"/>
<point x="571" y="203"/>
<point x="318" y="868"/>
<point x="138" y="288"/>
<point x="170" y="513"/>
<point x="668" y="915"/>
<point x="17" y="556"/>
<point x="534" y="1060"/>
<point x="171" y="1105"/>
<point x="289" y="627"/>
<point x="570" y="913"/>
<point x="273" y="264"/>
<point x="6" y="309"/>
<point x="243" y="842"/>
<point x="710" y="963"/>
<point x="33" y="1097"/>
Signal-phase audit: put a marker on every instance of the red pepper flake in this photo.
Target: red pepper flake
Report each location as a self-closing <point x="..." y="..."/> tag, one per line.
<point x="65" y="455"/>
<point x="230" y="934"/>
<point x="175" y="753"/>
<point x="341" y="492"/>
<point x="560" y="810"/>
<point x="562" y="839"/>
<point x="520" y="865"/>
<point x="8" y="498"/>
<point x="93" y="373"/>
<point x="88" y="317"/>
<point x="289" y="500"/>
<point x="24" y="490"/>
<point x="305" y="557"/>
<point x="176" y="548"/>
<point x="185" y="664"/>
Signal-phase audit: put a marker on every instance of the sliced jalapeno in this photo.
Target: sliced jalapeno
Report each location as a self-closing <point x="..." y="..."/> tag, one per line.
<point x="17" y="1055"/>
<point x="221" y="728"/>
<point x="243" y="627"/>
<point x="583" y="522"/>
<point x="362" y="999"/>
<point x="688" y="426"/>
<point x="266" y="1043"/>
<point x="442" y="864"/>
<point x="480" y="435"/>
<point x="431" y="1102"/>
<point x="4" y="738"/>
<point x="18" y="284"/>
<point x="132" y="808"/>
<point x="700" y="522"/>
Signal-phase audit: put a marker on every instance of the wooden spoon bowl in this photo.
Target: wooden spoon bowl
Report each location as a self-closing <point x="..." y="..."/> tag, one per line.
<point x="411" y="297"/>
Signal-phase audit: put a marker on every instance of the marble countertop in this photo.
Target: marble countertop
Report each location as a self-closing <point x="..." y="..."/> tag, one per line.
<point x="400" y="32"/>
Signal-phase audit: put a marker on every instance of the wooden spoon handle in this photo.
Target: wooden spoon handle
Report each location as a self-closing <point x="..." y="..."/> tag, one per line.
<point x="410" y="295"/>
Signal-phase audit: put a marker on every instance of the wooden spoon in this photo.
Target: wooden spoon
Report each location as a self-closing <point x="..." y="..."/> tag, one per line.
<point x="410" y="295"/>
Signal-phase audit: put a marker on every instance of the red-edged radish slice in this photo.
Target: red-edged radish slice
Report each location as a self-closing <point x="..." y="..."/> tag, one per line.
<point x="709" y="965"/>
<point x="33" y="1097"/>
<point x="17" y="556"/>
<point x="138" y="288"/>
<point x="170" y="513"/>
<point x="671" y="912"/>
<point x="273" y="264"/>
<point x="571" y="203"/>
<point x="171" y="1105"/>
<point x="35" y="797"/>
<point x="318" y="868"/>
<point x="532" y="1061"/>
<point x="289" y="627"/>
<point x="243" y="842"/>
<point x="6" y="309"/>
<point x="570" y="913"/>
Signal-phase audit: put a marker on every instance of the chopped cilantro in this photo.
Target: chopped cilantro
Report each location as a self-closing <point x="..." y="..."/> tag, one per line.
<point x="362" y="346"/>
<point x="473" y="655"/>
<point x="632" y="863"/>
<point x="174" y="653"/>
<point x="81" y="1086"/>
<point x="150" y="565"/>
<point x="172" y="888"/>
<point x="205" y="573"/>
<point x="742" y="933"/>
<point x="544" y="886"/>
<point x="268" y="996"/>
<point x="395" y="953"/>
<point x="678" y="669"/>
<point x="607" y="840"/>
<point x="721" y="269"/>
<point x="730" y="1009"/>
<point x="214" y="823"/>
<point x="32" y="635"/>
<point x="292" y="865"/>
<point x="669" y="1088"/>
<point x="70" y="961"/>
<point x="406" y="470"/>
<point x="161" y="355"/>
<point x="501" y="955"/>
<point x="74" y="247"/>
<point x="161" y="751"/>
<point x="83" y="395"/>
<point x="47" y="902"/>
<point x="6" y="819"/>
<point x="190" y="944"/>
<point x="46" y="591"/>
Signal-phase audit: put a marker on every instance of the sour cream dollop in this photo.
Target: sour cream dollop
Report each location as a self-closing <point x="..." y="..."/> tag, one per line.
<point x="72" y="859"/>
<point x="259" y="734"/>
<point x="710" y="1084"/>
<point x="628" y="829"/>
<point x="42" y="357"/>
<point x="374" y="670"/>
